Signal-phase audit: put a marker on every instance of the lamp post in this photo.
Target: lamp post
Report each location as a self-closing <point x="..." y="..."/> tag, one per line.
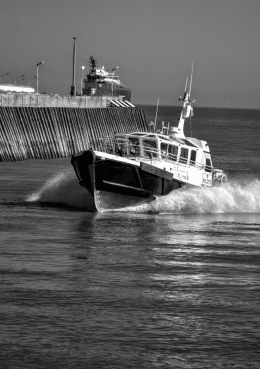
<point x="37" y="76"/>
<point x="82" y="68"/>
<point x="113" y="81"/>
<point x="73" y="87"/>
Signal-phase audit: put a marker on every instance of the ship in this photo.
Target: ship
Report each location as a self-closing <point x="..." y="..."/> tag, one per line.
<point x="36" y="125"/>
<point x="101" y="89"/>
<point x="131" y="169"/>
<point x="100" y="82"/>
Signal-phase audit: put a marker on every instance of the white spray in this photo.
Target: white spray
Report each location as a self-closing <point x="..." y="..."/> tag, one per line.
<point x="234" y="197"/>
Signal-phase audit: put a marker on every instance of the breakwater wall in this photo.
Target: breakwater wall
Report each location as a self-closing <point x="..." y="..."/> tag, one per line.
<point x="44" y="133"/>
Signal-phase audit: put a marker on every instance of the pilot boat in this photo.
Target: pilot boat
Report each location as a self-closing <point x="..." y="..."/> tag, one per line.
<point x="135" y="168"/>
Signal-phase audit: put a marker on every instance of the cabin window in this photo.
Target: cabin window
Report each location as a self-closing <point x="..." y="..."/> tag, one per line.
<point x="193" y="157"/>
<point x="150" y="148"/>
<point x="173" y="152"/>
<point x="164" y="150"/>
<point x="208" y="167"/>
<point x="134" y="149"/>
<point x="184" y="155"/>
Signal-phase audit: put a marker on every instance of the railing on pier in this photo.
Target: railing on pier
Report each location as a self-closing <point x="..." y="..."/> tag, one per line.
<point x="54" y="100"/>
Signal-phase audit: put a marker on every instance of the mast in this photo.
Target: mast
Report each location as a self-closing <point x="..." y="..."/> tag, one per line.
<point x="187" y="108"/>
<point x="191" y="77"/>
<point x="156" y="113"/>
<point x="73" y="87"/>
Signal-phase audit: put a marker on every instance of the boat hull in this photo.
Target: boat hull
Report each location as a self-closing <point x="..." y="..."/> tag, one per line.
<point x="116" y="184"/>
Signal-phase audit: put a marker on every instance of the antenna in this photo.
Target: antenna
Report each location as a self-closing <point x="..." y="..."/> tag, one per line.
<point x="190" y="96"/>
<point x="191" y="77"/>
<point x="186" y="85"/>
<point x="156" y="113"/>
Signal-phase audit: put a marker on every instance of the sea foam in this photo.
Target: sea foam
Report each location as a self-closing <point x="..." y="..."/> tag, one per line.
<point x="234" y="197"/>
<point x="228" y="198"/>
<point x="63" y="189"/>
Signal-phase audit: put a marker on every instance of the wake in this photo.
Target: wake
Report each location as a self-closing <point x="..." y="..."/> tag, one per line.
<point x="63" y="189"/>
<point x="229" y="198"/>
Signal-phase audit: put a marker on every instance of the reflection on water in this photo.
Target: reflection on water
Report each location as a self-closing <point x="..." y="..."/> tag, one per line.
<point x="170" y="284"/>
<point x="128" y="290"/>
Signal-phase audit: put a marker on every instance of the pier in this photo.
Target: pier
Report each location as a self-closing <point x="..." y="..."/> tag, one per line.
<point x="43" y="132"/>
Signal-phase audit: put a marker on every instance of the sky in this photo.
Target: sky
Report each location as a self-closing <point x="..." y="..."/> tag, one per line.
<point x="153" y="42"/>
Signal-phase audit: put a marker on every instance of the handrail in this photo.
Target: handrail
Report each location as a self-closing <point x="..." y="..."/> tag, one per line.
<point x="123" y="147"/>
<point x="12" y="99"/>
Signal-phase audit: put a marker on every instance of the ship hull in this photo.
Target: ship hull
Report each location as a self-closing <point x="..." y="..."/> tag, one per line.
<point x="116" y="184"/>
<point x="106" y="89"/>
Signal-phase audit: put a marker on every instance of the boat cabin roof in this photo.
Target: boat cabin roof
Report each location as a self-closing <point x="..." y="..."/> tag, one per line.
<point x="162" y="138"/>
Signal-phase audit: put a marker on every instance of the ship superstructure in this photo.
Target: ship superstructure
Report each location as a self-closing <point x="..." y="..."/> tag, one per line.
<point x="100" y="82"/>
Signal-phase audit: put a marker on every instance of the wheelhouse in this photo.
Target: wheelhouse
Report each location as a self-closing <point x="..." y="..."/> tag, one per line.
<point x="153" y="146"/>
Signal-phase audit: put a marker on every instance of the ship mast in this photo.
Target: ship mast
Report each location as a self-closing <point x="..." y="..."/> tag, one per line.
<point x="73" y="87"/>
<point x="187" y="108"/>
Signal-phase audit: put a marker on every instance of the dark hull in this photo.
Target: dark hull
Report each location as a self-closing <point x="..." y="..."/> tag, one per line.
<point x="106" y="89"/>
<point x="115" y="184"/>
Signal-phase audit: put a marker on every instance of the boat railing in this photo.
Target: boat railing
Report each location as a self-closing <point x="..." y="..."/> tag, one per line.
<point x="125" y="148"/>
<point x="186" y="162"/>
<point x="219" y="176"/>
<point x="116" y="146"/>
